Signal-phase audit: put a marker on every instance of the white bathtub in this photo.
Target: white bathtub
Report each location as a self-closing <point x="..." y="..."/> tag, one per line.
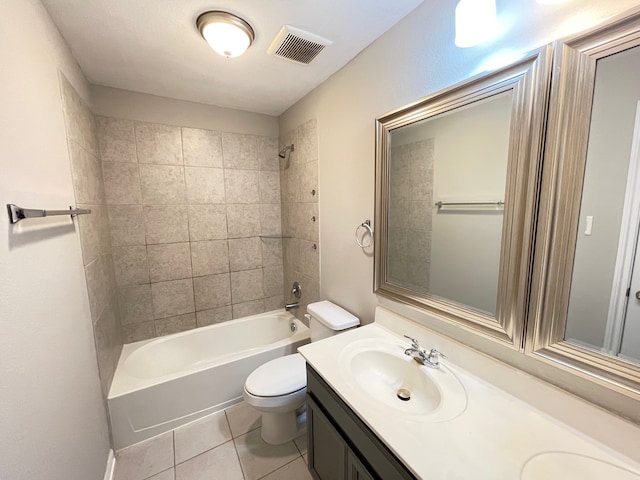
<point x="165" y="382"/>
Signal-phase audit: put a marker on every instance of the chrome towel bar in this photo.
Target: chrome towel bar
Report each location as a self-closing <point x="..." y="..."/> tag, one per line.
<point x="17" y="213"/>
<point x="462" y="204"/>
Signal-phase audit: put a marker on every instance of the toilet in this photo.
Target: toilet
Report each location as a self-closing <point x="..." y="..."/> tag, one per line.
<point x="278" y="388"/>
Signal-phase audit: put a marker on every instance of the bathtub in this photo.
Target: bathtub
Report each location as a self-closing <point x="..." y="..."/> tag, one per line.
<point x="165" y="382"/>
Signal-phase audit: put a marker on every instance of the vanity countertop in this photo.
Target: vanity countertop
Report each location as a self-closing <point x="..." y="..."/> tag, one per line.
<point x="494" y="436"/>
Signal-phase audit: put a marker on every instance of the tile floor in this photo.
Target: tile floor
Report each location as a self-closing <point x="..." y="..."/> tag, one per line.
<point x="225" y="445"/>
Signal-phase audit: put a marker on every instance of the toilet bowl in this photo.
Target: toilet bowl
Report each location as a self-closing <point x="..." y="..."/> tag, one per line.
<point x="278" y="388"/>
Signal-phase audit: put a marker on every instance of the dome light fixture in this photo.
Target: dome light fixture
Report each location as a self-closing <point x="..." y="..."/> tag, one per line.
<point x="228" y="34"/>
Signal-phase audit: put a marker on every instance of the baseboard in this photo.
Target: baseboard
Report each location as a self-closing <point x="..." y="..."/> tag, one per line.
<point x="110" y="472"/>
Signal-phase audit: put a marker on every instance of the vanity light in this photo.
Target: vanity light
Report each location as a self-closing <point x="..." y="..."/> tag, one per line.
<point x="227" y="34"/>
<point x="475" y="22"/>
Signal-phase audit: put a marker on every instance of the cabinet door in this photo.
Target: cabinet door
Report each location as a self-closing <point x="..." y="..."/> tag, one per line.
<point x="327" y="450"/>
<point x="355" y="469"/>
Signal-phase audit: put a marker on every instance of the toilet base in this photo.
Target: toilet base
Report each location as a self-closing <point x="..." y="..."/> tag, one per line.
<point x="279" y="428"/>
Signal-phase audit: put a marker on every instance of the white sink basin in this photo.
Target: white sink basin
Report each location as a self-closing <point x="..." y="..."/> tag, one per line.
<point x="382" y="375"/>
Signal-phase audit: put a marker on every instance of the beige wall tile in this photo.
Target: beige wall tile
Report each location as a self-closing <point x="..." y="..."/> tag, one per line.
<point x="240" y="151"/>
<point x="241" y="310"/>
<point x="136" y="332"/>
<point x="214" y="315"/>
<point x="204" y="434"/>
<point x="122" y="183"/>
<point x="286" y="140"/>
<point x="273" y="281"/>
<point x="146" y="458"/>
<point x="97" y="275"/>
<point x="134" y="303"/>
<point x="243" y="220"/>
<point x="310" y="259"/>
<point x="127" y="225"/>
<point x="245" y="253"/>
<point x="209" y="257"/>
<point x="94" y="232"/>
<point x="108" y="340"/>
<point x="116" y="139"/>
<point x="207" y="222"/>
<point x="131" y="265"/>
<point x="79" y="120"/>
<point x="246" y="285"/>
<point x="172" y="298"/>
<point x="271" y="251"/>
<point x="309" y="229"/>
<point x="179" y="323"/>
<point x="274" y="303"/>
<point x="87" y="175"/>
<point x="169" y="261"/>
<point x="308" y="142"/>
<point x="159" y="144"/>
<point x="212" y="291"/>
<point x="202" y="148"/>
<point x="269" y="183"/>
<point x="166" y="224"/>
<point x="162" y="185"/>
<point x="270" y="219"/>
<point x="242" y="186"/>
<point x="220" y="462"/>
<point x="267" y="150"/>
<point x="205" y="185"/>
<point x="309" y="182"/>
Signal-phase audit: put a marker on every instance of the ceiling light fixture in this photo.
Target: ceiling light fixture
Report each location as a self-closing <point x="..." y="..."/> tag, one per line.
<point x="228" y="34"/>
<point x="476" y="22"/>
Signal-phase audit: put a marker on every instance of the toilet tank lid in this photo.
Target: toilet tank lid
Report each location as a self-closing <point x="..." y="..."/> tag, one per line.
<point x="332" y="316"/>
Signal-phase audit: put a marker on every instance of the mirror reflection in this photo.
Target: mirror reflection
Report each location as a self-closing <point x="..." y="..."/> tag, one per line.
<point x="447" y="178"/>
<point x="604" y="303"/>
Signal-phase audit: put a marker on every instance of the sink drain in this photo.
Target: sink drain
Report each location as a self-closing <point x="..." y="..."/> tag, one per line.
<point x="404" y="394"/>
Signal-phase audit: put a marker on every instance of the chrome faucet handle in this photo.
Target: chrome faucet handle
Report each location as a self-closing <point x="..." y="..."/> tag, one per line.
<point x="433" y="357"/>
<point x="414" y="342"/>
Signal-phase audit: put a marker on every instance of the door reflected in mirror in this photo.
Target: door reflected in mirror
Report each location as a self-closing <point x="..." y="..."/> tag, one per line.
<point x="447" y="178"/>
<point x="604" y="303"/>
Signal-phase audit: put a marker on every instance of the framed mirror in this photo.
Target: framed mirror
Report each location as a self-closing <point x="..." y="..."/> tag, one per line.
<point x="586" y="290"/>
<point x="457" y="177"/>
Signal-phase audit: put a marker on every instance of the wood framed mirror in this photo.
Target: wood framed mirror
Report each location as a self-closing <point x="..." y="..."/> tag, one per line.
<point x="585" y="316"/>
<point x="457" y="177"/>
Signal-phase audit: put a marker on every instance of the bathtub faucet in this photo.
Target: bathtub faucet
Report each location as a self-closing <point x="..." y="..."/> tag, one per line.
<point x="289" y="306"/>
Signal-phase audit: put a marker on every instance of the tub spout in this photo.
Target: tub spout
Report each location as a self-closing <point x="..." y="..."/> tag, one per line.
<point x="289" y="306"/>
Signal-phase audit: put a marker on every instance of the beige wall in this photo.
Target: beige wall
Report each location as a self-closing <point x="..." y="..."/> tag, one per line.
<point x="52" y="417"/>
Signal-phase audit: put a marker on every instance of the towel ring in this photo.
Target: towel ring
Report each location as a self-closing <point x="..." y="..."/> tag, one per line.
<point x="367" y="225"/>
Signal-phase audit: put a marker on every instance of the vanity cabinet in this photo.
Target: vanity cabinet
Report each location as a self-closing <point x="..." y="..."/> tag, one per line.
<point x="340" y="445"/>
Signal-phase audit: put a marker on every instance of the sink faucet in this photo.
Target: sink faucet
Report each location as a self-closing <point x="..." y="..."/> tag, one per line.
<point x="431" y="359"/>
<point x="289" y="306"/>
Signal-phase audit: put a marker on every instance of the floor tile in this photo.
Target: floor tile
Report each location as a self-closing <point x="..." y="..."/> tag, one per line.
<point x="204" y="434"/>
<point x="145" y="459"/>
<point x="296" y="470"/>
<point x="242" y="418"/>
<point x="258" y="458"/>
<point x="304" y="457"/>
<point x="166" y="475"/>
<point x="301" y="443"/>
<point x="218" y="463"/>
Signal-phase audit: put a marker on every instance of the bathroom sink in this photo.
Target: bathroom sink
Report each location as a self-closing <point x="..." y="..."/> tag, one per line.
<point x="382" y="375"/>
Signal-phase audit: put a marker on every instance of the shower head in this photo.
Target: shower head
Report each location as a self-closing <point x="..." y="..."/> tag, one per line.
<point x="283" y="152"/>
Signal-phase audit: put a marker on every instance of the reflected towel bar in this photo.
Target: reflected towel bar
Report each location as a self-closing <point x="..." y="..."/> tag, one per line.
<point x="459" y="204"/>
<point x="17" y="213"/>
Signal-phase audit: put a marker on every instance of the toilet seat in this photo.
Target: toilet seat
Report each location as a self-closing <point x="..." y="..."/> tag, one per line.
<point x="279" y="377"/>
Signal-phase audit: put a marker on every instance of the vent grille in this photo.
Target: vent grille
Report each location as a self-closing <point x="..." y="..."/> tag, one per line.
<point x="297" y="45"/>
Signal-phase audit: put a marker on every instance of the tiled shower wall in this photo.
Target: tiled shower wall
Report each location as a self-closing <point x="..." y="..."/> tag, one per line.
<point x="300" y="219"/>
<point x="95" y="238"/>
<point x="187" y="209"/>
<point x="411" y="214"/>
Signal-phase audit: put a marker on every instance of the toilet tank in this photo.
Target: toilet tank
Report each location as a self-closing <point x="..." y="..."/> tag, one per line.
<point x="327" y="319"/>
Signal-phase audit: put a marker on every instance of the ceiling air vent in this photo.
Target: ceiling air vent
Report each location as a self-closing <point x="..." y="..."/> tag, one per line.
<point x="297" y="45"/>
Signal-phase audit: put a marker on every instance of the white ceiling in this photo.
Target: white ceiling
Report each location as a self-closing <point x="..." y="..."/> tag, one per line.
<point x="153" y="46"/>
